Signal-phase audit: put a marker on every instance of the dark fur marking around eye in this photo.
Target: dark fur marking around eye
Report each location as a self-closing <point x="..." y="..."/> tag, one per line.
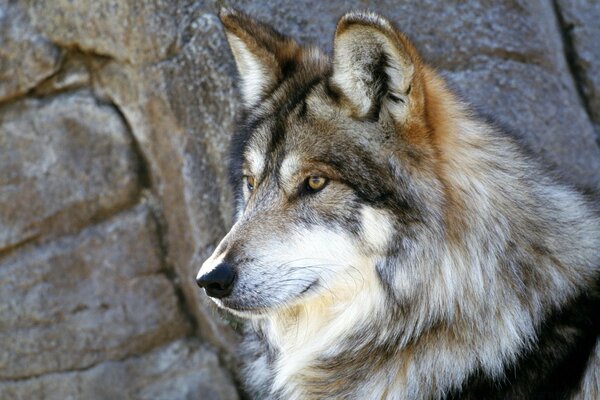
<point x="379" y="193"/>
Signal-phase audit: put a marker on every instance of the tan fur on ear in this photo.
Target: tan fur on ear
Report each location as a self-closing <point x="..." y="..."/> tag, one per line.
<point x="260" y="52"/>
<point x="374" y="66"/>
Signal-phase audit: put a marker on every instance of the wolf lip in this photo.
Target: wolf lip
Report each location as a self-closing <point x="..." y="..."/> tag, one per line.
<point x="232" y="305"/>
<point x="237" y="308"/>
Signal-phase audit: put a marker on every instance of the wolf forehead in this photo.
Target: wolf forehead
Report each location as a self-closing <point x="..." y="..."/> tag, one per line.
<point x="311" y="133"/>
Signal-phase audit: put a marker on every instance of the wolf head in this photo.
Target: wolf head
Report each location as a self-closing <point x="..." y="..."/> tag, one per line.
<point x="334" y="168"/>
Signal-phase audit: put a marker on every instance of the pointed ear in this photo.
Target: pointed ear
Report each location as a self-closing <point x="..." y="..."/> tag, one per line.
<point x="262" y="55"/>
<point x="374" y="66"/>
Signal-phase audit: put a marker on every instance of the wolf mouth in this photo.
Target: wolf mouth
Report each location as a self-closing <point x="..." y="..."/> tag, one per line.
<point x="235" y="306"/>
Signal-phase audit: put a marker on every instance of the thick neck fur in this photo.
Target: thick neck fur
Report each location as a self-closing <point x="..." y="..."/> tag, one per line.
<point x="513" y="243"/>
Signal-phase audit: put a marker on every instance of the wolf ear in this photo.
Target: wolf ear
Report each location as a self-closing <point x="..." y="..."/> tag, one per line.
<point x="261" y="54"/>
<point x="374" y="65"/>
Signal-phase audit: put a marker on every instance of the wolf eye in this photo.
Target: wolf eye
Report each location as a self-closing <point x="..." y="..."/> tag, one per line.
<point x="250" y="182"/>
<point x="315" y="183"/>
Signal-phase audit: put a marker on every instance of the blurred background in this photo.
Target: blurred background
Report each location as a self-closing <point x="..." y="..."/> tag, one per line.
<point x="115" y="121"/>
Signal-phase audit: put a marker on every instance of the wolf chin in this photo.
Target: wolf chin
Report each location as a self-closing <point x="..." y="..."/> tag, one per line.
<point x="389" y="243"/>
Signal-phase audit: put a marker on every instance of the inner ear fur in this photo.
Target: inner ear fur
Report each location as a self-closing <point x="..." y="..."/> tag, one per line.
<point x="375" y="66"/>
<point x="262" y="55"/>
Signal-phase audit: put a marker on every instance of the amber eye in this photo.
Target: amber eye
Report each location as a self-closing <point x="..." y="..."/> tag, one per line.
<point x="316" y="182"/>
<point x="250" y="182"/>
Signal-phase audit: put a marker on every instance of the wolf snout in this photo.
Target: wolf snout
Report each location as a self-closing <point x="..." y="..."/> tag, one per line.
<point x="218" y="283"/>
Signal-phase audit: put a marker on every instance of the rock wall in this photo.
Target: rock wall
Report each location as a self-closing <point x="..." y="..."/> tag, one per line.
<point x="115" y="119"/>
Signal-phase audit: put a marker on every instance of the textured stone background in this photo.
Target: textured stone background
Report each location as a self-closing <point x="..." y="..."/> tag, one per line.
<point x="115" y="118"/>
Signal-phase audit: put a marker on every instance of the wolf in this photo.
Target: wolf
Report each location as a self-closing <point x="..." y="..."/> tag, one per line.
<point x="388" y="242"/>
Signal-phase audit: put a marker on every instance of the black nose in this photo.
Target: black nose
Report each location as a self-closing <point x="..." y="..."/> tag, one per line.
<point x="218" y="282"/>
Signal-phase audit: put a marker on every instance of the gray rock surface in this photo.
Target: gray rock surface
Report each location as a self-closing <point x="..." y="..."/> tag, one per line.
<point x="181" y="370"/>
<point x="182" y="113"/>
<point x="115" y="119"/>
<point x="86" y="298"/>
<point x="72" y="75"/>
<point x="65" y="160"/>
<point x="26" y="57"/>
<point x="129" y="31"/>
<point x="580" y="21"/>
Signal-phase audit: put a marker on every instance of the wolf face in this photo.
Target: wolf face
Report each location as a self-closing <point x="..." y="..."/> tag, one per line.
<point x="324" y="179"/>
